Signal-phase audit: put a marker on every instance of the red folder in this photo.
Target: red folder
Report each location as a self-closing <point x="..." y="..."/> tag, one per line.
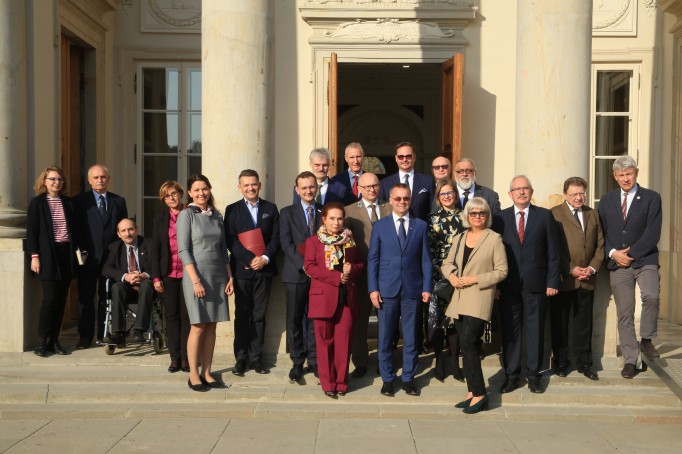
<point x="301" y="249"/>
<point x="253" y="241"/>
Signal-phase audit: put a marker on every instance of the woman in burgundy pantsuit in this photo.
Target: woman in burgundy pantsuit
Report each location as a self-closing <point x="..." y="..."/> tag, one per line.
<point x="334" y="265"/>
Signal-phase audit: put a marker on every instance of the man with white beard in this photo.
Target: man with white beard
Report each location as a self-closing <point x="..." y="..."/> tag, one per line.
<point x="465" y="177"/>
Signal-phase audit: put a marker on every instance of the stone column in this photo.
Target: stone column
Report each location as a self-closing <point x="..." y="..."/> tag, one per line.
<point x="553" y="57"/>
<point x="238" y="116"/>
<point x="13" y="182"/>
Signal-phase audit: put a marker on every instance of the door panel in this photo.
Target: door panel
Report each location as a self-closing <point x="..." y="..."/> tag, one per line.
<point x="333" y="103"/>
<point x="451" y="131"/>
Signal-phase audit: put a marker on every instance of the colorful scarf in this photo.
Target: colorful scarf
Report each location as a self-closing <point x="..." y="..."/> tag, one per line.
<point x="334" y="245"/>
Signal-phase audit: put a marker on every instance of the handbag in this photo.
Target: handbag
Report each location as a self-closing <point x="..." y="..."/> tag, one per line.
<point x="443" y="289"/>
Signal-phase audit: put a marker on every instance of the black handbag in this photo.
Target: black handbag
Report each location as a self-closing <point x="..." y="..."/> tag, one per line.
<point x="443" y="289"/>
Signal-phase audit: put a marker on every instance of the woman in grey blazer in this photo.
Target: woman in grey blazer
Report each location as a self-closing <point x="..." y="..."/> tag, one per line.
<point x="474" y="270"/>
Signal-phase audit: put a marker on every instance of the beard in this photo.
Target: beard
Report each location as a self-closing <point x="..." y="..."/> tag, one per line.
<point x="466" y="185"/>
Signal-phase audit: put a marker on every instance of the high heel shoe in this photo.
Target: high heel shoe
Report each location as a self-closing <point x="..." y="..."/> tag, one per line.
<point x="173" y="368"/>
<point x="481" y="405"/>
<point x="212" y="384"/>
<point x="198" y="388"/>
<point x="464" y="403"/>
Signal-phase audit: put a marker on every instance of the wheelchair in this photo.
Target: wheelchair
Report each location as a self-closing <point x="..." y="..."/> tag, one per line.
<point x="156" y="331"/>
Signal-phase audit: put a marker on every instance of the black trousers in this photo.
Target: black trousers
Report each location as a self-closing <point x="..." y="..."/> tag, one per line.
<point x="300" y="345"/>
<point x="54" y="297"/>
<point x="123" y="294"/>
<point x="251" y="304"/>
<point x="177" y="320"/>
<point x="470" y="330"/>
<point x="91" y="281"/>
<point x="519" y="308"/>
<point x="580" y="300"/>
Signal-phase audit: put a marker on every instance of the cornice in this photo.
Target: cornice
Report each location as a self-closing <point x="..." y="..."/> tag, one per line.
<point x="673" y="7"/>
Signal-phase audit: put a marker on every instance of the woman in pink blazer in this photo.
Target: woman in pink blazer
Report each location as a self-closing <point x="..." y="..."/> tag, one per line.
<point x="334" y="265"/>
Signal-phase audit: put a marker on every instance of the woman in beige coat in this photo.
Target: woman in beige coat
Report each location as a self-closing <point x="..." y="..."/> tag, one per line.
<point x="476" y="263"/>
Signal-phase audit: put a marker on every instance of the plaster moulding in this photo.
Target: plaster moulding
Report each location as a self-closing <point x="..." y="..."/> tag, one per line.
<point x="614" y="18"/>
<point x="388" y="30"/>
<point x="171" y="16"/>
<point x="388" y="2"/>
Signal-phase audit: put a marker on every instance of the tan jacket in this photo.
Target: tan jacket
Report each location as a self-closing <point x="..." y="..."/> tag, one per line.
<point x="578" y="247"/>
<point x="357" y="220"/>
<point x="488" y="262"/>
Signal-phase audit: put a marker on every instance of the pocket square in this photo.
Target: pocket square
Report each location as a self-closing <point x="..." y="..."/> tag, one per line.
<point x="423" y="190"/>
<point x="265" y="215"/>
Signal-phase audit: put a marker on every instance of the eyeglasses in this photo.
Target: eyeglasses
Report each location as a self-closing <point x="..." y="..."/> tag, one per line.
<point x="57" y="179"/>
<point x="372" y="187"/>
<point x="172" y="195"/>
<point x="576" y="195"/>
<point x="441" y="167"/>
<point x="463" y="171"/>
<point x="521" y="188"/>
<point x="478" y="214"/>
<point x="401" y="157"/>
<point x="446" y="194"/>
<point x="401" y="199"/>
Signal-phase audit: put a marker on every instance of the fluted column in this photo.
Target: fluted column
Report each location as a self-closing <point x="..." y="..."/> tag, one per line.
<point x="553" y="45"/>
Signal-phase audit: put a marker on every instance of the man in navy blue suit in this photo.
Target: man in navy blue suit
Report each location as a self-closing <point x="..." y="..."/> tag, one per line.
<point x="350" y="178"/>
<point x="327" y="190"/>
<point x="531" y="240"/>
<point x="631" y="218"/>
<point x="399" y="277"/>
<point x="421" y="186"/>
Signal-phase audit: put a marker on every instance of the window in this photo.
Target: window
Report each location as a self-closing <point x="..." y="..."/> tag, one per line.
<point x="169" y="130"/>
<point x="613" y="128"/>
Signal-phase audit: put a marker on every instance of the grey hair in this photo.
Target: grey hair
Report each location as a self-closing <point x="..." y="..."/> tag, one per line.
<point x="320" y="153"/>
<point x="624" y="162"/>
<point x="481" y="204"/>
<point x="467" y="160"/>
<point x="352" y="145"/>
<point x="511" y="182"/>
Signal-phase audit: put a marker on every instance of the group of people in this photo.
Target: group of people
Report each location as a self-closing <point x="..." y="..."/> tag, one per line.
<point x="353" y="243"/>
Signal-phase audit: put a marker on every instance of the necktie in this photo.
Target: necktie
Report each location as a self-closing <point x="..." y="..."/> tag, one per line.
<point x="466" y="198"/>
<point x="132" y="264"/>
<point x="624" y="206"/>
<point x="522" y="226"/>
<point x="575" y="214"/>
<point x="355" y="185"/>
<point x="311" y="221"/>
<point x="402" y="233"/>
<point x="373" y="217"/>
<point x="102" y="208"/>
<point x="318" y="197"/>
<point x="406" y="180"/>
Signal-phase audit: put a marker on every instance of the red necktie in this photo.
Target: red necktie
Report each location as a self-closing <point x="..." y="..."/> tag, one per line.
<point x="624" y="206"/>
<point x="132" y="263"/>
<point x="522" y="226"/>
<point x="355" y="185"/>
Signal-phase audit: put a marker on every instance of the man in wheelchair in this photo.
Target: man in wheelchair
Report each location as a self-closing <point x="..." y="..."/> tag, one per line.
<point x="128" y="266"/>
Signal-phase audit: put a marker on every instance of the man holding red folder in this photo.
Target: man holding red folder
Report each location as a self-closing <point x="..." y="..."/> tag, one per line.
<point x="252" y="229"/>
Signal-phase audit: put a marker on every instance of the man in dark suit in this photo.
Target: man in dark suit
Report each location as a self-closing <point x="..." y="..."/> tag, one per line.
<point x="297" y="223"/>
<point x="631" y="218"/>
<point x="465" y="178"/>
<point x="360" y="216"/>
<point x="582" y="253"/>
<point x="399" y="280"/>
<point x="327" y="190"/>
<point x="530" y="238"/>
<point x="253" y="273"/>
<point x="350" y="178"/>
<point x="98" y="212"/>
<point x="421" y="186"/>
<point x="129" y="266"/>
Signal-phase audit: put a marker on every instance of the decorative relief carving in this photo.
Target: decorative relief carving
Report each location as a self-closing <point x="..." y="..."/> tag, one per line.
<point x="388" y="30"/>
<point x="172" y="15"/>
<point x="651" y="6"/>
<point x="395" y="2"/>
<point x="614" y="18"/>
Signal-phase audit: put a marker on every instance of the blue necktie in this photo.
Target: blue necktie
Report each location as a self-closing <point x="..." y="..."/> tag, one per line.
<point x="102" y="208"/>
<point x="402" y="233"/>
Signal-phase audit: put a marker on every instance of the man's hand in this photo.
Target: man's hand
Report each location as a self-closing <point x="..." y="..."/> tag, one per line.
<point x="375" y="297"/>
<point x="258" y="263"/>
<point x="426" y="297"/>
<point x="622" y="258"/>
<point x="35" y="264"/>
<point x="552" y="291"/>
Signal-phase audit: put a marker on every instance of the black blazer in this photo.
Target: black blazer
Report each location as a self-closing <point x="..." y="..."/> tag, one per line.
<point x="293" y="231"/>
<point x="117" y="259"/>
<point x="344" y="179"/>
<point x="423" y="189"/>
<point x="97" y="235"/>
<point x="336" y="192"/>
<point x="641" y="230"/>
<point x="160" y="245"/>
<point x="40" y="236"/>
<point x="488" y="194"/>
<point x="238" y="220"/>
<point x="535" y="265"/>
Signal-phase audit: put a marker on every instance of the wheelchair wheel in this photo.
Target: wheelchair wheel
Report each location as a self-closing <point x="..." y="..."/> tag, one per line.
<point x="109" y="349"/>
<point x="157" y="342"/>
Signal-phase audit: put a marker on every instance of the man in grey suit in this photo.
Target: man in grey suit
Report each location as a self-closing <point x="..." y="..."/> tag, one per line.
<point x="582" y="253"/>
<point x="631" y="218"/>
<point x="465" y="177"/>
<point x="359" y="219"/>
<point x="297" y="222"/>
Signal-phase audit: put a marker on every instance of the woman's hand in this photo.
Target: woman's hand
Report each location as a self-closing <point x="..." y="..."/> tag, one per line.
<point x="199" y="290"/>
<point x="158" y="286"/>
<point x="468" y="281"/>
<point x="455" y="281"/>
<point x="35" y="264"/>
<point x="229" y="288"/>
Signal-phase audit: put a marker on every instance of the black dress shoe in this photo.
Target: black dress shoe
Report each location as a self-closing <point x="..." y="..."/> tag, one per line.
<point x="627" y="372"/>
<point x="588" y="372"/>
<point x="173" y="368"/>
<point x="200" y="387"/>
<point x="41" y="349"/>
<point x="58" y="349"/>
<point x="510" y="384"/>
<point x="387" y="389"/>
<point x="331" y="394"/>
<point x="83" y="344"/>
<point x="296" y="373"/>
<point x="258" y="368"/>
<point x="215" y="384"/>
<point x="561" y="371"/>
<point x="239" y="368"/>
<point x="313" y="369"/>
<point x="649" y="351"/>
<point x="359" y="372"/>
<point x="410" y="388"/>
<point x="535" y="385"/>
<point x="340" y="393"/>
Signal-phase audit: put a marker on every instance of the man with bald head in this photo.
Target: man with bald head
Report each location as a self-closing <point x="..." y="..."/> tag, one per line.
<point x="350" y="179"/>
<point x="98" y="212"/>
<point x="441" y="168"/>
<point x="359" y="219"/>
